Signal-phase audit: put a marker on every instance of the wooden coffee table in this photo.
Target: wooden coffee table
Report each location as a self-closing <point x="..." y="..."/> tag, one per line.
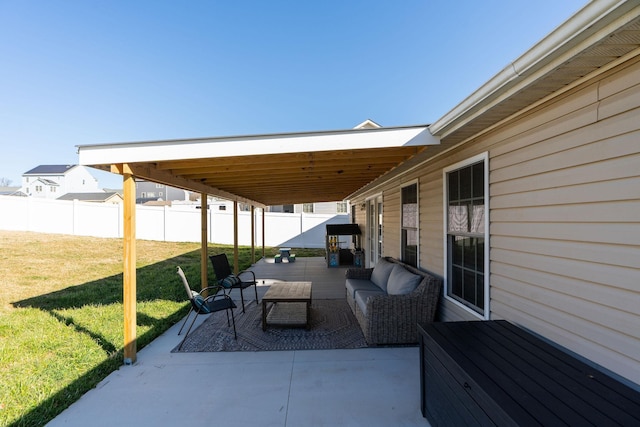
<point x="290" y="305"/>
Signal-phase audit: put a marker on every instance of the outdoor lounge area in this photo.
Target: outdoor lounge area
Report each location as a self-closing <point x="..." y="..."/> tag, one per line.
<point x="365" y="386"/>
<point x="522" y="198"/>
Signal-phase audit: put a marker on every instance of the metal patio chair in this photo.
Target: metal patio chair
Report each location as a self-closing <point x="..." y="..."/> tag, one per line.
<point x="228" y="280"/>
<point x="206" y="305"/>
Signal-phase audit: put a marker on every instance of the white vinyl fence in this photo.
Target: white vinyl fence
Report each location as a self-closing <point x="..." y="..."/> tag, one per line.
<point x="178" y="223"/>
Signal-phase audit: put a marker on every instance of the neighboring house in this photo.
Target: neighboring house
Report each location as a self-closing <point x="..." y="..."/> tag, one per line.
<point x="318" y="208"/>
<point x="53" y="181"/>
<point x="147" y="191"/>
<point x="11" y="191"/>
<point x="98" y="197"/>
<point x="368" y="124"/>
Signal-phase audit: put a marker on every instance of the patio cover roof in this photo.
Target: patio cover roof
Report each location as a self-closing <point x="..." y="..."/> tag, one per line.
<point x="290" y="168"/>
<point x="264" y="170"/>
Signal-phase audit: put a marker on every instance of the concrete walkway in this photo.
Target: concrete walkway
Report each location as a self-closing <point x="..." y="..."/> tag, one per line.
<point x="362" y="387"/>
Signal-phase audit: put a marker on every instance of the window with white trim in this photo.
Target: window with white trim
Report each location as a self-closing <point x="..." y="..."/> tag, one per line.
<point x="409" y="225"/>
<point x="466" y="256"/>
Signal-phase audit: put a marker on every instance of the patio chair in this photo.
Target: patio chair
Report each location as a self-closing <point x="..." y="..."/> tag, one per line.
<point x="209" y="305"/>
<point x="202" y="293"/>
<point x="228" y="280"/>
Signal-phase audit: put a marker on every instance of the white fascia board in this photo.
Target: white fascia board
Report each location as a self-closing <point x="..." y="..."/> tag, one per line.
<point x="587" y="25"/>
<point x="153" y="151"/>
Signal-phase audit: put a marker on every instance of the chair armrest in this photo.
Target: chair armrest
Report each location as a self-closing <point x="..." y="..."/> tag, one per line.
<point x="211" y="290"/>
<point x="245" y="272"/>
<point x="218" y="296"/>
<point x="358" y="273"/>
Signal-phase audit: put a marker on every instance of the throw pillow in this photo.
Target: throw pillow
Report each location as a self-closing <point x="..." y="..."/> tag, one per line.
<point x="201" y="304"/>
<point x="381" y="272"/>
<point x="402" y="281"/>
<point x="230" y="280"/>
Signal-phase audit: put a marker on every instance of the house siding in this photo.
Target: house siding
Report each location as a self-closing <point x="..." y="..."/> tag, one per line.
<point x="328" y="208"/>
<point x="431" y="228"/>
<point x="564" y="190"/>
<point x="565" y="221"/>
<point x="391" y="222"/>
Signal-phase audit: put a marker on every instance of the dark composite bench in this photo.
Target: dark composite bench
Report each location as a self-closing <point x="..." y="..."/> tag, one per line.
<point x="495" y="373"/>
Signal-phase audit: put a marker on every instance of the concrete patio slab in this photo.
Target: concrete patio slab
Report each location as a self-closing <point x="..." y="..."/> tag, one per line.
<point x="360" y="387"/>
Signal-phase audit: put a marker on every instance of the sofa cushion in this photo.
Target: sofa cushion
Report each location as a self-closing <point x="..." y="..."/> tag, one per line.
<point x="362" y="296"/>
<point x="354" y="285"/>
<point x="402" y="281"/>
<point x="381" y="272"/>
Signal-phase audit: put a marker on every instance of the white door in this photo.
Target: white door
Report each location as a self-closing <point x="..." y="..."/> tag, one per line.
<point x="374" y="230"/>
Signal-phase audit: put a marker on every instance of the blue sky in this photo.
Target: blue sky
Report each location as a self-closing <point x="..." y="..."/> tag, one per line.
<point x="90" y="72"/>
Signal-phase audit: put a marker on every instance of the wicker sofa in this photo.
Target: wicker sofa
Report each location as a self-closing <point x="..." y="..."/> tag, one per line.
<point x="390" y="299"/>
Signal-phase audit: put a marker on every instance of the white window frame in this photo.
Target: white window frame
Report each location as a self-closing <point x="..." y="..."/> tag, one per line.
<point x="407" y="184"/>
<point x="484" y="157"/>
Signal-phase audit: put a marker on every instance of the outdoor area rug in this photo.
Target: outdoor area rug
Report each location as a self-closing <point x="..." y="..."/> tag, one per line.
<point x="332" y="326"/>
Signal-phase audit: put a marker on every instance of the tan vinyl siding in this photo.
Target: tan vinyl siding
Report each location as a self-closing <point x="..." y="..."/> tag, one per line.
<point x="565" y="221"/>
<point x="361" y="218"/>
<point x="431" y="228"/>
<point x="391" y="222"/>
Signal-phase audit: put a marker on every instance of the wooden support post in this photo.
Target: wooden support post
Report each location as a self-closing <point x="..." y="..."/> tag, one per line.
<point x="204" y="214"/>
<point x="236" y="267"/>
<point x="253" y="234"/>
<point x="129" y="268"/>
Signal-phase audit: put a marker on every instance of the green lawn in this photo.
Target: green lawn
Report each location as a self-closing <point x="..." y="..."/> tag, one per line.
<point x="61" y="314"/>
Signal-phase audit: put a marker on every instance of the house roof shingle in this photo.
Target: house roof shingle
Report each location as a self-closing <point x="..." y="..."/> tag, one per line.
<point x="88" y="197"/>
<point x="49" y="170"/>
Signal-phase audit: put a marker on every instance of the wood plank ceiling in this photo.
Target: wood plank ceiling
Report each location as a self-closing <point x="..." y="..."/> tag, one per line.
<point x="290" y="178"/>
